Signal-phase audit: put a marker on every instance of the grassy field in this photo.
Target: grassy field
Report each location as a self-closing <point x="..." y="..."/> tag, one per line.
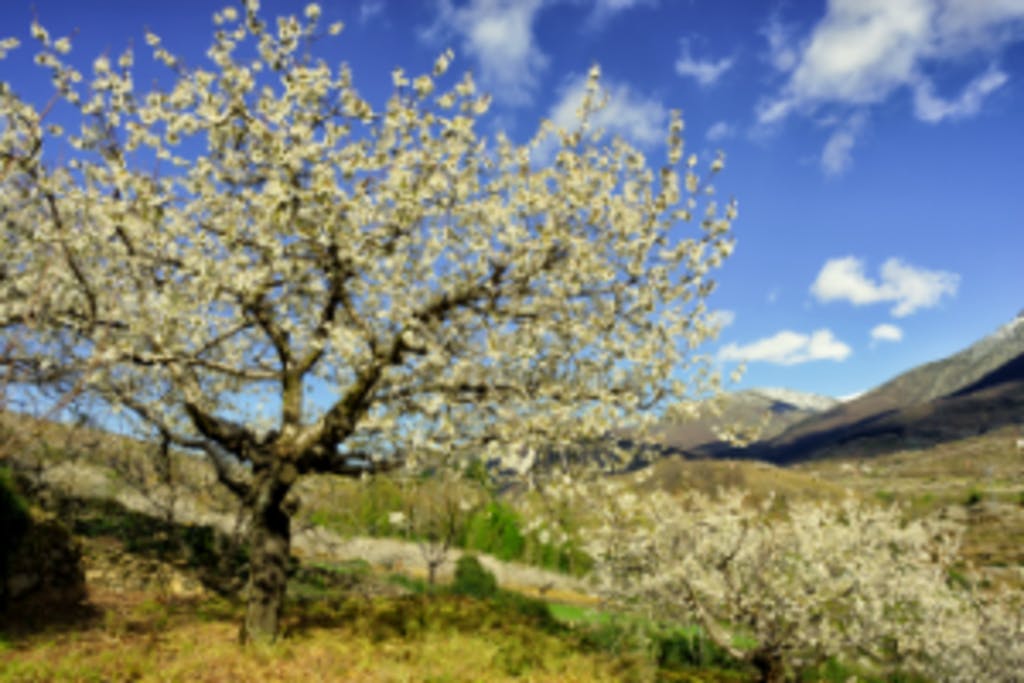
<point x="137" y="637"/>
<point x="331" y="635"/>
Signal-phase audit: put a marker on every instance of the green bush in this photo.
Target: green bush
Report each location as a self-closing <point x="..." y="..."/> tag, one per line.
<point x="496" y="530"/>
<point x="525" y="607"/>
<point x="14" y="517"/>
<point x="567" y="558"/>
<point x="682" y="648"/>
<point x="14" y="522"/>
<point x="413" y="585"/>
<point x="473" y="579"/>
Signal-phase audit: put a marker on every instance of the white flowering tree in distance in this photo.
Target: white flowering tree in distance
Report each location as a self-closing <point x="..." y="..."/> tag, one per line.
<point x="254" y="263"/>
<point x="785" y="587"/>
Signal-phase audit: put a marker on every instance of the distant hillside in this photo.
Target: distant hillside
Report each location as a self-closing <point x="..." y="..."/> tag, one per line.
<point x="975" y="390"/>
<point x="946" y="376"/>
<point x="775" y="409"/>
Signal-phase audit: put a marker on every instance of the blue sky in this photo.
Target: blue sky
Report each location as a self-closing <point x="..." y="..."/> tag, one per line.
<point x="876" y="147"/>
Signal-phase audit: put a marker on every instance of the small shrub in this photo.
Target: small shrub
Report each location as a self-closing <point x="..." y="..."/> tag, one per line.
<point x="682" y="648"/>
<point x="14" y="523"/>
<point x="531" y="609"/>
<point x="323" y="580"/>
<point x="416" y="586"/>
<point x="14" y="516"/>
<point x="496" y="530"/>
<point x="885" y="496"/>
<point x="473" y="579"/>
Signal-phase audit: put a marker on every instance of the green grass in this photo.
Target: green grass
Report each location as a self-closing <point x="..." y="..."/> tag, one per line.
<point x="578" y="614"/>
<point x="413" y="637"/>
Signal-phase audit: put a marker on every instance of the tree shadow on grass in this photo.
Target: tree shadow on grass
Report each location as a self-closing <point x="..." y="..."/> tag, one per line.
<point x="45" y="614"/>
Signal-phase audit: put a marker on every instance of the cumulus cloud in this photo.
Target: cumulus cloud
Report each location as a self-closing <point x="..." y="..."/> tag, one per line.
<point x="637" y="119"/>
<point x="837" y="155"/>
<point x="886" y="332"/>
<point x="499" y="35"/>
<point x="720" y="130"/>
<point x="782" y="53"/>
<point x="789" y="348"/>
<point x="706" y="71"/>
<point x="928" y="107"/>
<point x="605" y="9"/>
<point x="722" y="318"/>
<point x="864" y="51"/>
<point x="368" y="9"/>
<point x="908" y="287"/>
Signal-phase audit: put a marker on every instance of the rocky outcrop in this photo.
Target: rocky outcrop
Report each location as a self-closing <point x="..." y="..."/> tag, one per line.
<point x="107" y="565"/>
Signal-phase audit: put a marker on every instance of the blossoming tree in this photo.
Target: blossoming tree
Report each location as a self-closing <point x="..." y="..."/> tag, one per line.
<point x="256" y="264"/>
<point x="803" y="582"/>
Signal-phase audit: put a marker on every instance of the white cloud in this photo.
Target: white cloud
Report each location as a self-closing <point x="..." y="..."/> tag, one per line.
<point x="789" y="348"/>
<point x="605" y="9"/>
<point x="720" y="130"/>
<point x="722" y="318"/>
<point x="499" y="35"/>
<point x="908" y="287"/>
<point x="368" y="9"/>
<point x="782" y="53"/>
<point x="928" y="107"/>
<point x="612" y="6"/>
<point x="886" y="332"/>
<point x="864" y="50"/>
<point x="836" y="156"/>
<point x="637" y="119"/>
<point x="706" y="72"/>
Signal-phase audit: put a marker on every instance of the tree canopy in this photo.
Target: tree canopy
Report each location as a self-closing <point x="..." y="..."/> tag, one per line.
<point x="257" y="263"/>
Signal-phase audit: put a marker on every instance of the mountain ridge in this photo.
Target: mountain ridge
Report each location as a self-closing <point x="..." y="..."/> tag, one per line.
<point x="976" y="389"/>
<point x="906" y="406"/>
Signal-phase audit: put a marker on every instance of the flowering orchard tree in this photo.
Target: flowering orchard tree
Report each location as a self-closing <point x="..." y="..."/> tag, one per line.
<point x="256" y="264"/>
<point x="436" y="512"/>
<point x="806" y="583"/>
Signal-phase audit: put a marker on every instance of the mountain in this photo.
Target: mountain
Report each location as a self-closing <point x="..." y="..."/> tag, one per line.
<point x="975" y="390"/>
<point x="946" y="376"/>
<point x="773" y="409"/>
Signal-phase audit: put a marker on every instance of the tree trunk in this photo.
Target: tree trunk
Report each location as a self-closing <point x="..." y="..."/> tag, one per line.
<point x="770" y="667"/>
<point x="269" y="550"/>
<point x="432" y="566"/>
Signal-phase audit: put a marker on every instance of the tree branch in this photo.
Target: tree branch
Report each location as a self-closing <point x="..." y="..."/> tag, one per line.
<point x="228" y="472"/>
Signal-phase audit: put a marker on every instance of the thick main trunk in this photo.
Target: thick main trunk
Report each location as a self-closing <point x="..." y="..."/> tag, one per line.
<point x="269" y="549"/>
<point x="770" y="667"/>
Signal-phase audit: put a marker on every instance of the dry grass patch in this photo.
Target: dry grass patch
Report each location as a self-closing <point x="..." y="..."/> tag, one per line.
<point x="140" y="638"/>
<point x="677" y="475"/>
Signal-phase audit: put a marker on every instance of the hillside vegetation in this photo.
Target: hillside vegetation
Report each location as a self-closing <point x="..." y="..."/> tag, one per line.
<point x="157" y="610"/>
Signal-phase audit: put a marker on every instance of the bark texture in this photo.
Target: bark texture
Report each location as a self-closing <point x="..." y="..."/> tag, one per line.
<point x="269" y="548"/>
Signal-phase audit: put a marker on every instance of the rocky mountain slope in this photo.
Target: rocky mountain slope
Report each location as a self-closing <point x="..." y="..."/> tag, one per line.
<point x="772" y="410"/>
<point x="976" y="390"/>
